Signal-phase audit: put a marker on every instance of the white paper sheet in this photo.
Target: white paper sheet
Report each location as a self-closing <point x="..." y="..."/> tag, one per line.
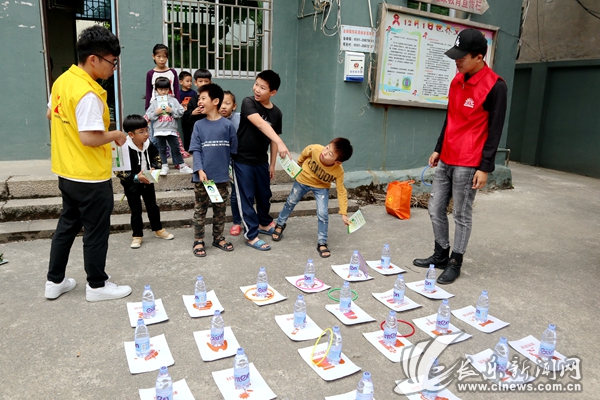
<point x="343" y="271"/>
<point x="387" y="298"/>
<point x="298" y="282"/>
<point x="356" y="315"/>
<point x="467" y="314"/>
<point x="438" y="294"/>
<point x="393" y="353"/>
<point x="394" y="270"/>
<point x="427" y="325"/>
<point x="181" y="391"/>
<point x="326" y="371"/>
<point x="212" y="305"/>
<point x="481" y="362"/>
<point x="134" y="311"/>
<point x="273" y="296"/>
<point x="208" y="352"/>
<point x="529" y="346"/>
<point x="160" y="355"/>
<point x="310" y="332"/>
<point x="258" y="390"/>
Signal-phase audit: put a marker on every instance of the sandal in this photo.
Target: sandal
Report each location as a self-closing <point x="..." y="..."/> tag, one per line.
<point x="227" y="246"/>
<point x="258" y="245"/>
<point x="200" y="252"/>
<point x="325" y="250"/>
<point x="277" y="235"/>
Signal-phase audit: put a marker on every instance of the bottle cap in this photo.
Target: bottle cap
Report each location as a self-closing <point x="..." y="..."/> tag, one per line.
<point x="240" y="351"/>
<point x="163" y="370"/>
<point x="310" y="260"/>
<point x="445" y="301"/>
<point x="336" y="328"/>
<point x="355" y="252"/>
<point x="401" y="277"/>
<point x="392" y="313"/>
<point x="140" y="321"/>
<point x="199" y="277"/>
<point x="217" y="313"/>
<point x="262" y="269"/>
<point x="147" y="287"/>
<point x="346" y="284"/>
<point x="300" y="297"/>
<point x="431" y="265"/>
<point x="366" y="375"/>
<point x="503" y="339"/>
<point x="552" y="327"/>
<point x="484" y="292"/>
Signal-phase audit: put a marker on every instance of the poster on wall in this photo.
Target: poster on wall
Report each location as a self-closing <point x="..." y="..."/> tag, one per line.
<point x="412" y="69"/>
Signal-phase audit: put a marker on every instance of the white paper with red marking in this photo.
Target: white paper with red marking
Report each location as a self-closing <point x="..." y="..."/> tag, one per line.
<point x="438" y="293"/>
<point x="355" y="316"/>
<point x="467" y="314"/>
<point x="529" y="347"/>
<point x="181" y="391"/>
<point x="258" y="390"/>
<point x="387" y="298"/>
<point x="482" y="363"/>
<point x="208" y="352"/>
<point x="212" y="304"/>
<point x="298" y="282"/>
<point x="273" y="296"/>
<point x="134" y="311"/>
<point x="393" y="270"/>
<point x="310" y="332"/>
<point x="403" y="349"/>
<point x="325" y="370"/>
<point x="159" y="356"/>
<point x="427" y="325"/>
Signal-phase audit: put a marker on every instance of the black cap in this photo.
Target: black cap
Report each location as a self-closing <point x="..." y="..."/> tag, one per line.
<point x="468" y="41"/>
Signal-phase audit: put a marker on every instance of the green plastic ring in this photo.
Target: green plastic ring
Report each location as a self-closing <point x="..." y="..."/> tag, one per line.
<point x="336" y="289"/>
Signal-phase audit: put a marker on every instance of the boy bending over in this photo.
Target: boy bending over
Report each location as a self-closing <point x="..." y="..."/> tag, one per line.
<point x="320" y="166"/>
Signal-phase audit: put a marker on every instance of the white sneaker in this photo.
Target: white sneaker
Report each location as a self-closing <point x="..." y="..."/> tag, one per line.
<point x="164" y="170"/>
<point x="185" y="169"/>
<point x="53" y="290"/>
<point x="163" y="234"/>
<point x="136" y="243"/>
<point x="110" y="291"/>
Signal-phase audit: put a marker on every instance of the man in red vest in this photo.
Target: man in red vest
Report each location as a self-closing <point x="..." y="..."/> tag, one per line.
<point x="465" y="151"/>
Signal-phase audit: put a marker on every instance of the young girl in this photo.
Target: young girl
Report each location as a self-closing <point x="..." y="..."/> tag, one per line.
<point x="160" y="55"/>
<point x="227" y="107"/>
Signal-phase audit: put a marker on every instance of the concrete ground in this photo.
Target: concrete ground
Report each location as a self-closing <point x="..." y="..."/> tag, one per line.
<point x="534" y="248"/>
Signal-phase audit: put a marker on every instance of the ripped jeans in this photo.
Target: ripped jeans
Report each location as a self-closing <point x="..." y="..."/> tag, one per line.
<point x="322" y="198"/>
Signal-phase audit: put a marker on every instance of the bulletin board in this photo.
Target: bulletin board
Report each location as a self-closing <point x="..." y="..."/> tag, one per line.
<point x="411" y="67"/>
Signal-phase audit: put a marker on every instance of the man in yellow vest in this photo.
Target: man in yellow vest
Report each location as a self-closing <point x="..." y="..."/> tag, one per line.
<point x="81" y="157"/>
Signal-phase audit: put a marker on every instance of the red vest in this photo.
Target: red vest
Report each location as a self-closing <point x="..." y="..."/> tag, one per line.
<point x="467" y="122"/>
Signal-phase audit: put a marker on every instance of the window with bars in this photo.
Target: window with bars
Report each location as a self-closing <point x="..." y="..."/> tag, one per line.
<point x="230" y="38"/>
<point x="95" y="10"/>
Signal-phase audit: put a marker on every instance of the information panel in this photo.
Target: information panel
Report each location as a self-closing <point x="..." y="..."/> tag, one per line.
<point x="412" y="68"/>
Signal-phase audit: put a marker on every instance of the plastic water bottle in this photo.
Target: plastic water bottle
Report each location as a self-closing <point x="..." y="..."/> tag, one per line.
<point x="141" y="339"/>
<point x="300" y="313"/>
<point x="217" y="329"/>
<point x="442" y="323"/>
<point x="148" y="306"/>
<point x="164" y="385"/>
<point x="345" y="298"/>
<point x="427" y="392"/>
<point x="241" y="370"/>
<point x="399" y="289"/>
<point x="430" y="279"/>
<point x="385" y="257"/>
<point x="501" y="351"/>
<point x="354" y="264"/>
<point x="335" y="352"/>
<point x="364" y="391"/>
<point x="548" y="343"/>
<point x="309" y="274"/>
<point x="200" y="292"/>
<point x="262" y="284"/>
<point x="483" y="307"/>
<point x="390" y="329"/>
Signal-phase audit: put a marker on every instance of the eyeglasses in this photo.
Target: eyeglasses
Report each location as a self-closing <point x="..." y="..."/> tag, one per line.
<point x="142" y="131"/>
<point x="114" y="63"/>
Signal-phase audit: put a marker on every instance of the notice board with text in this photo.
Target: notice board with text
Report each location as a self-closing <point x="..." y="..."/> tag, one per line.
<point x="411" y="67"/>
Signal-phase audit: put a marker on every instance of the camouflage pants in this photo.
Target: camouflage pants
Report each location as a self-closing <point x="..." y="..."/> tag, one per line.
<point x="201" y="206"/>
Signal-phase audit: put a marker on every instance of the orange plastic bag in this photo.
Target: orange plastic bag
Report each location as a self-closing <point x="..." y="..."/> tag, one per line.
<point x="397" y="199"/>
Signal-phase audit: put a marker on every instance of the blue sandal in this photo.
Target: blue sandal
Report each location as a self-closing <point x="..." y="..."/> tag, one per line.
<point x="272" y="226"/>
<point x="258" y="245"/>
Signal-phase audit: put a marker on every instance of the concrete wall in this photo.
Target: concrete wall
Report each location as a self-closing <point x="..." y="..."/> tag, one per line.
<point x="24" y="130"/>
<point x="559" y="30"/>
<point x="384" y="138"/>
<point x="554" y="119"/>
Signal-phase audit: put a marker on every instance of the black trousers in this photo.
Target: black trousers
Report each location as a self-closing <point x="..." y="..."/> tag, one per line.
<point x="87" y="205"/>
<point x="134" y="199"/>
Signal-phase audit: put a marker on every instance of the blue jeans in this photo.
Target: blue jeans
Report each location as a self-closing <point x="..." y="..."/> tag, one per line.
<point x="452" y="182"/>
<point x="322" y="197"/>
<point x="173" y="145"/>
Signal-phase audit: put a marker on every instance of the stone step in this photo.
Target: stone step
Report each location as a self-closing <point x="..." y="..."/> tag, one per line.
<point x="43" y="229"/>
<point x="41" y="186"/>
<point x="50" y="207"/>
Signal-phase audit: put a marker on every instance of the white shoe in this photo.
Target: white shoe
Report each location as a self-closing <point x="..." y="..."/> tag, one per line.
<point x="164" y="170"/>
<point x="136" y="243"/>
<point x="163" y="234"/>
<point x="110" y="291"/>
<point x="54" y="290"/>
<point x="185" y="169"/>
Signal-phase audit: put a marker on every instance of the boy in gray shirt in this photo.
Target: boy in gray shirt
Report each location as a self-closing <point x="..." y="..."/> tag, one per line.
<point x="213" y="141"/>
